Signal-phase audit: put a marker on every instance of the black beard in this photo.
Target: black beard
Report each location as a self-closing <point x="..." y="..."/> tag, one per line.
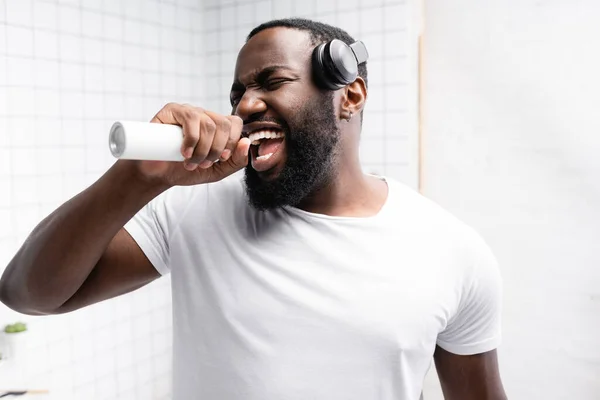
<point x="311" y="141"/>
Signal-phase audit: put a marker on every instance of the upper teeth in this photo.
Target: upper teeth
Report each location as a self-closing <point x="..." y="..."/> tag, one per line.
<point x="264" y="134"/>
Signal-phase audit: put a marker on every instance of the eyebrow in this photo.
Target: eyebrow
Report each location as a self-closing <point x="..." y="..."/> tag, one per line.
<point x="260" y="76"/>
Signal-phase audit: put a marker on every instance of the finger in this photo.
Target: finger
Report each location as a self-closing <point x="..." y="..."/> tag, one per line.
<point x="207" y="133"/>
<point x="185" y="116"/>
<point x="238" y="160"/>
<point x="221" y="136"/>
<point x="235" y="133"/>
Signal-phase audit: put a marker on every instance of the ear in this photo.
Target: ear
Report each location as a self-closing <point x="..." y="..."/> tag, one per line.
<point x="353" y="98"/>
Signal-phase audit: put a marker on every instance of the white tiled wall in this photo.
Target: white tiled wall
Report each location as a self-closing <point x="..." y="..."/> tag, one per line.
<point x="389" y="29"/>
<point x="68" y="69"/>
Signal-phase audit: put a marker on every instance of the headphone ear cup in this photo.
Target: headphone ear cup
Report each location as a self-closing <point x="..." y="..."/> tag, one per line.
<point x="320" y="70"/>
<point x="334" y="65"/>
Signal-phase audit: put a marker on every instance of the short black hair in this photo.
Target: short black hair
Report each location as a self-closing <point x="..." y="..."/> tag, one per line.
<point x="319" y="33"/>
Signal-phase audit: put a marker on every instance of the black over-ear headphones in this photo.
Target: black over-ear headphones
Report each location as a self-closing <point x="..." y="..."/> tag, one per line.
<point x="335" y="64"/>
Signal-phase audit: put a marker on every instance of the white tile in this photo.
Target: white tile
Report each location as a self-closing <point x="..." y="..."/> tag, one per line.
<point x="134" y="108"/>
<point x="94" y="5"/>
<point x="47" y="103"/>
<point x="113" y="28"/>
<point x="375" y="99"/>
<point x="144" y="373"/>
<point x="45" y="44"/>
<point x="373" y="125"/>
<point x="245" y="14"/>
<point x="162" y="386"/>
<point x="70" y="48"/>
<point x="72" y="158"/>
<point x="371" y="151"/>
<point x="72" y="132"/>
<point x="133" y="84"/>
<point x="167" y="14"/>
<point x="5" y="221"/>
<point x="396" y="71"/>
<point x="20" y="102"/>
<point x="397" y="44"/>
<point x="397" y="124"/>
<point x="152" y="83"/>
<point x="151" y="12"/>
<point x="151" y="35"/>
<point x="113" y="80"/>
<point x="19" y="41"/>
<point x="19" y="12"/>
<point x="372" y="19"/>
<point x="375" y="73"/>
<point x="22" y="162"/>
<point x="5" y="184"/>
<point x="71" y="76"/>
<point x="303" y="8"/>
<point x="19" y="71"/>
<point x="93" y="51"/>
<point x="212" y="43"/>
<point x="91" y="24"/>
<point x="326" y="6"/>
<point x="106" y="387"/>
<point x="402" y="173"/>
<point x="396" y="151"/>
<point x="211" y="20"/>
<point x="396" y="97"/>
<point x="2" y="11"/>
<point x="132" y="57"/>
<point x="263" y="10"/>
<point x="46" y="74"/>
<point x="126" y="380"/>
<point x="227" y="40"/>
<point x="69" y="20"/>
<point x="184" y="41"/>
<point x="132" y="32"/>
<point x="282" y="8"/>
<point x="227" y="17"/>
<point x="25" y="191"/>
<point x="133" y="9"/>
<point x="22" y="130"/>
<point x="5" y="163"/>
<point x="93" y="78"/>
<point x="114" y="106"/>
<point x="93" y="106"/>
<point x="71" y="104"/>
<point x="350" y="22"/>
<point x="396" y="17"/>
<point x="73" y="3"/>
<point x="45" y="15"/>
<point x="112" y="7"/>
<point x="113" y="54"/>
<point x="375" y="45"/>
<point x="49" y="160"/>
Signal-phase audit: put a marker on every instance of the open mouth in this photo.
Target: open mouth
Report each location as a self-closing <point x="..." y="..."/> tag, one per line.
<point x="266" y="149"/>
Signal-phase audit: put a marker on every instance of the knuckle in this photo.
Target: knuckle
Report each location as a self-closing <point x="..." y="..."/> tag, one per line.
<point x="208" y="125"/>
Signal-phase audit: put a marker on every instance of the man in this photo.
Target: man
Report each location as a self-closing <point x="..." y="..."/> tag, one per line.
<point x="308" y="279"/>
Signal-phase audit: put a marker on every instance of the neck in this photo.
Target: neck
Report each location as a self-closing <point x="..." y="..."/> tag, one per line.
<point x="349" y="192"/>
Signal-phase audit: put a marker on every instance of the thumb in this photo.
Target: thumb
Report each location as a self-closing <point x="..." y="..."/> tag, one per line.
<point x="237" y="161"/>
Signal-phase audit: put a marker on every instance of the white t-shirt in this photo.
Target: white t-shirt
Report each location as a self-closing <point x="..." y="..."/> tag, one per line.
<point x="291" y="305"/>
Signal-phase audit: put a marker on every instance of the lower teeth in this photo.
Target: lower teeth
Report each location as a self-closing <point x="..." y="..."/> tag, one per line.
<point x="264" y="157"/>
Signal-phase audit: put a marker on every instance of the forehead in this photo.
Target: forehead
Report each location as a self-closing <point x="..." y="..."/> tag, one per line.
<point x="274" y="46"/>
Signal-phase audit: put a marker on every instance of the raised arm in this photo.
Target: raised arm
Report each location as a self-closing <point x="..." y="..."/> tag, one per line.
<point x="80" y="254"/>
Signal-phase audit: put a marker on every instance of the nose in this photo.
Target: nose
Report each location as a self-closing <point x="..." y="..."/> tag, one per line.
<point x="249" y="105"/>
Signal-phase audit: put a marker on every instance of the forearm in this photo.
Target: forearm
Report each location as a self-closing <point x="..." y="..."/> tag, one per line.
<point x="63" y="249"/>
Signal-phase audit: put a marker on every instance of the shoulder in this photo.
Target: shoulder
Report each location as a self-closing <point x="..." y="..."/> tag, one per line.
<point x="437" y="225"/>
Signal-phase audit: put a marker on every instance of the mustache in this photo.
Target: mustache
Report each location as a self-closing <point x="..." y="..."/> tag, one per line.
<point x="273" y="120"/>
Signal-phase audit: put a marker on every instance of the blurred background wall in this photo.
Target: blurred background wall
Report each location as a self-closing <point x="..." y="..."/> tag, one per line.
<point x="510" y="145"/>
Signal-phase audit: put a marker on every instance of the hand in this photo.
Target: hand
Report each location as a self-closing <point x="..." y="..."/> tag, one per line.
<point x="207" y="138"/>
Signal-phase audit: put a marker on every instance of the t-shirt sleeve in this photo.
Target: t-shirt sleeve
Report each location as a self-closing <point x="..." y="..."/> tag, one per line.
<point x="150" y="229"/>
<point x="476" y="326"/>
<point x="156" y="223"/>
